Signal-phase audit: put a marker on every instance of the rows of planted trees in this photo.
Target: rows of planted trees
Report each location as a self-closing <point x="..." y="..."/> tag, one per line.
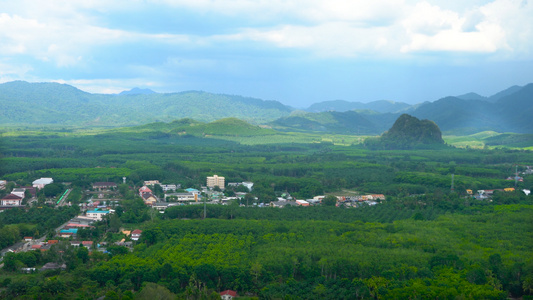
<point x="478" y="252"/>
<point x="303" y="170"/>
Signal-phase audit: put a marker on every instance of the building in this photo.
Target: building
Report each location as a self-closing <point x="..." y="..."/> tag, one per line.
<point x="19" y="192"/>
<point x="97" y="215"/>
<point x="183" y="197"/>
<point x="144" y="189"/>
<point x="3" y="184"/>
<point x="41" y="182"/>
<point x="149" y="198"/>
<point x="102" y="186"/>
<point x="248" y="184"/>
<point x="170" y="187"/>
<point x="151" y="182"/>
<point x="228" y="295"/>
<point x="136" y="234"/>
<point x="215" y="180"/>
<point x="12" y="200"/>
<point x="302" y="203"/>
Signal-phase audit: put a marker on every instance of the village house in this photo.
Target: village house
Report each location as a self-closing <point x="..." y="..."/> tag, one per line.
<point x="12" y="200"/>
<point x="152" y="182"/>
<point x="104" y="186"/>
<point x="97" y="215"/>
<point x="41" y="182"/>
<point x="87" y="244"/>
<point x="228" y="295"/>
<point x="170" y="187"/>
<point x="302" y="203"/>
<point x="136" y="234"/>
<point x="19" y="192"/>
<point x="183" y="197"/>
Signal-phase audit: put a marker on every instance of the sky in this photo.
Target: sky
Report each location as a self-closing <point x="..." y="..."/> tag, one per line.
<point x="297" y="52"/>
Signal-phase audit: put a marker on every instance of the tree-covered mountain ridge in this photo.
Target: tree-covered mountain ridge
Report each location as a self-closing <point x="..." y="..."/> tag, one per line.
<point x="511" y="112"/>
<point x="54" y="104"/>
<point x="60" y="104"/>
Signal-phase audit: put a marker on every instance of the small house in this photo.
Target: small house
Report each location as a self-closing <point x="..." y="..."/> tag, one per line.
<point x="228" y="295"/>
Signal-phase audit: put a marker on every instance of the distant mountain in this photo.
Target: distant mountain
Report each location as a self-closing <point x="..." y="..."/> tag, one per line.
<point x="511" y="113"/>
<point x="382" y="106"/>
<point x="472" y="96"/>
<point x="349" y="122"/>
<point x="504" y="93"/>
<point x="137" y="91"/>
<point x="56" y="104"/>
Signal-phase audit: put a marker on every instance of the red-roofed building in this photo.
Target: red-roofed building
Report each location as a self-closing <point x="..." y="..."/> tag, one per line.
<point x="36" y="247"/>
<point x="136" y="234"/>
<point x="12" y="200"/>
<point x="228" y="295"/>
<point x="144" y="189"/>
<point x="87" y="244"/>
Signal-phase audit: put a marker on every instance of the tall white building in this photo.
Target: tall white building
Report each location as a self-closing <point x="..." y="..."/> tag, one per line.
<point x="215" y="180"/>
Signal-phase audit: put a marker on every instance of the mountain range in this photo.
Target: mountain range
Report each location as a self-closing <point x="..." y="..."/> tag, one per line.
<point x="59" y="105"/>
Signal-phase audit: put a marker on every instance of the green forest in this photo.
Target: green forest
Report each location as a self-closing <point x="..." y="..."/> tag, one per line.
<point x="425" y="240"/>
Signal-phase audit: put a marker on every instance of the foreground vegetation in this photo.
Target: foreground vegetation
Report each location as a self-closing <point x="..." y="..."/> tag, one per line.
<point x="423" y="242"/>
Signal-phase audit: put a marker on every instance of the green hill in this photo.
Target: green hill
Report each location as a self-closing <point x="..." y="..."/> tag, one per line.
<point x="409" y="132"/>
<point x="350" y="122"/>
<point x="190" y="127"/>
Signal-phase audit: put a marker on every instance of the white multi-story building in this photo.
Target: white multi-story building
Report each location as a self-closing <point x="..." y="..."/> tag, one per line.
<point x="97" y="214"/>
<point x="215" y="180"/>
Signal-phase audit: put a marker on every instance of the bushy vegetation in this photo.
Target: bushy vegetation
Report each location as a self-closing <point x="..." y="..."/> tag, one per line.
<point x="421" y="241"/>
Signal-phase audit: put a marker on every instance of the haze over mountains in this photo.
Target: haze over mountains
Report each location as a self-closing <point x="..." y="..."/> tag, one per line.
<point x="37" y="104"/>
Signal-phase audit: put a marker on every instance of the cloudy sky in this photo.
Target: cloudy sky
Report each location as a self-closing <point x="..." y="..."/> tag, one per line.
<point x="295" y="51"/>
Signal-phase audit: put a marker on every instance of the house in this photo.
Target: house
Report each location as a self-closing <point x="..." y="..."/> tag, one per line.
<point x="183" y="197"/>
<point x="149" y="199"/>
<point x="28" y="238"/>
<point x="170" y="187"/>
<point x="144" y="189"/>
<point x="36" y="247"/>
<point x="87" y="244"/>
<point x="53" y="266"/>
<point x="302" y="203"/>
<point x="41" y="182"/>
<point x="3" y="184"/>
<point x="97" y="215"/>
<point x="12" y="200"/>
<point x="102" y="186"/>
<point x="151" y="182"/>
<point x="136" y="234"/>
<point x="51" y="242"/>
<point x="283" y="203"/>
<point x="19" y="192"/>
<point x="66" y="233"/>
<point x="30" y="189"/>
<point x="228" y="295"/>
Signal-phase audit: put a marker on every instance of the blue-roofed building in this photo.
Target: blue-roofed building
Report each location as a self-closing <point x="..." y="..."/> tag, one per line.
<point x="97" y="215"/>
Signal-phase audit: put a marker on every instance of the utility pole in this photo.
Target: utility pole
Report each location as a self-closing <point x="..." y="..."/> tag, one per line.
<point x="205" y="207"/>
<point x="452" y="183"/>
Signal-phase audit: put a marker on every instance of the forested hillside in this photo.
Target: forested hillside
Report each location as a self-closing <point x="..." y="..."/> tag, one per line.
<point x="41" y="104"/>
<point x="56" y="105"/>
